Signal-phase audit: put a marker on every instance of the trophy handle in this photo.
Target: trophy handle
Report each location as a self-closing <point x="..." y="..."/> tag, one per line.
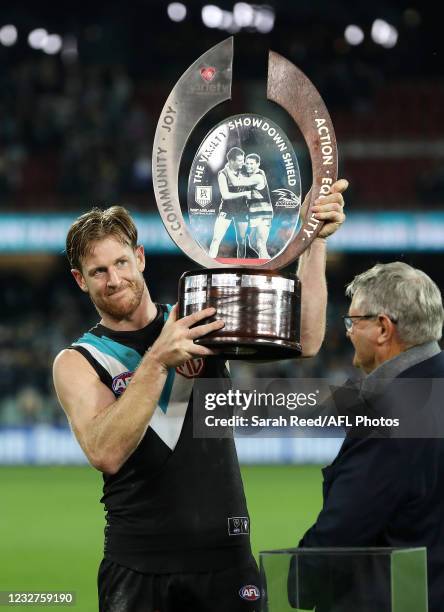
<point x="203" y="86"/>
<point x="309" y="112"/>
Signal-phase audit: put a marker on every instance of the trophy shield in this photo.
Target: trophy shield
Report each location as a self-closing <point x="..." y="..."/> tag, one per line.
<point x="243" y="207"/>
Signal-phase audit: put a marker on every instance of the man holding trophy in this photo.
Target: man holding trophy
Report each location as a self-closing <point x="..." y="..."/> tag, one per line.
<point x="153" y="555"/>
<point x="177" y="532"/>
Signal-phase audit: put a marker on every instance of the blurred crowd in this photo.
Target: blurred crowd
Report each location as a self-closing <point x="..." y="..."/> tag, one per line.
<point x="74" y="132"/>
<point x="37" y="322"/>
<point x="71" y="130"/>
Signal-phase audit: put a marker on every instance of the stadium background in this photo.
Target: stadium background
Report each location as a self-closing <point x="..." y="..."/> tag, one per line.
<point x="77" y="119"/>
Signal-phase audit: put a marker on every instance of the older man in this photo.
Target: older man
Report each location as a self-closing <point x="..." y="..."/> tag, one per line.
<point x="379" y="491"/>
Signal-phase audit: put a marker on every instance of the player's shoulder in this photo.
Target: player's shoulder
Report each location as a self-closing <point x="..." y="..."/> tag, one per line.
<point x="68" y="362"/>
<point x="74" y="378"/>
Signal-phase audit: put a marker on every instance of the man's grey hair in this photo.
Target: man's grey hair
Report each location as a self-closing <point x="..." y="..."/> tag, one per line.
<point x="405" y="294"/>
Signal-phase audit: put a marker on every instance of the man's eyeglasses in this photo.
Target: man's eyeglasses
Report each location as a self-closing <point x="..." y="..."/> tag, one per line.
<point x="348" y="319"/>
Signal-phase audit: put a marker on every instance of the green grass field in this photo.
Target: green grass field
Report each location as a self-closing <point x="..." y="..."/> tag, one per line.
<point x="51" y="523"/>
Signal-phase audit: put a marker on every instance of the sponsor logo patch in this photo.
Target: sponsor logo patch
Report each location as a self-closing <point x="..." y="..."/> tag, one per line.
<point x="238" y="525"/>
<point x="191" y="368"/>
<point x="121" y="382"/>
<point x="250" y="592"/>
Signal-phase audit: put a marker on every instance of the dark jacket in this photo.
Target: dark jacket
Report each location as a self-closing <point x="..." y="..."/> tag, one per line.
<point x="389" y="492"/>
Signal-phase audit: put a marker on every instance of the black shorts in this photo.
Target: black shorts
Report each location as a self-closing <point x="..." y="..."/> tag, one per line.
<point x="259" y="212"/>
<point x="234" y="209"/>
<point x="236" y="589"/>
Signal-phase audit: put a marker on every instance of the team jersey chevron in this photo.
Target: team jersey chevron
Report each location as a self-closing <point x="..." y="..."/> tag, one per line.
<point x="121" y="361"/>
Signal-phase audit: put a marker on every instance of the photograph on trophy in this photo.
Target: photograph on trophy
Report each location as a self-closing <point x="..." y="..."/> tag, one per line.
<point x="244" y="190"/>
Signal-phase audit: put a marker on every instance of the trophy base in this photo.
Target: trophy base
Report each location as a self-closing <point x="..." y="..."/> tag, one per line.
<point x="260" y="308"/>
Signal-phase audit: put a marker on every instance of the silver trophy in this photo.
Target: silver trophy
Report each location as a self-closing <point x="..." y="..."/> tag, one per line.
<point x="244" y="202"/>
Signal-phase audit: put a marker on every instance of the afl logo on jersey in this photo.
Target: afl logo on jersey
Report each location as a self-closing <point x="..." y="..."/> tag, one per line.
<point x="121" y="382"/>
<point x="250" y="592"/>
<point x="191" y="368"/>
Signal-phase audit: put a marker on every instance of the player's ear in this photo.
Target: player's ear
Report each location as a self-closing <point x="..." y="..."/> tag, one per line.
<point x="140" y="257"/>
<point x="79" y="279"/>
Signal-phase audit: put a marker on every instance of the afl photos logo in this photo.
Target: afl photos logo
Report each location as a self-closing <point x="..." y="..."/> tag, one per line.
<point x="250" y="592"/>
<point x="191" y="368"/>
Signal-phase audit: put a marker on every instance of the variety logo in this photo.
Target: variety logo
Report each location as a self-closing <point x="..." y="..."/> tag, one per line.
<point x="250" y="592"/>
<point x="191" y="368"/>
<point x="208" y="73"/>
<point x="121" y="382"/>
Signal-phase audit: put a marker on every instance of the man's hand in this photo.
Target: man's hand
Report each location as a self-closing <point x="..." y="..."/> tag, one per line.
<point x="175" y="345"/>
<point x="329" y="209"/>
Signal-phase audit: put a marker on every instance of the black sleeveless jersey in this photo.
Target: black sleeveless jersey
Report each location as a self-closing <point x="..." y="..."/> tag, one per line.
<point x="177" y="504"/>
<point x="231" y="187"/>
<point x="260" y="201"/>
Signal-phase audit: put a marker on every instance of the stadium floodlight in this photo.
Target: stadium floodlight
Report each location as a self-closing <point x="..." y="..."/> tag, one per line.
<point x="8" y="35"/>
<point x="384" y="34"/>
<point x="233" y="28"/>
<point x="177" y="11"/>
<point x="392" y="39"/>
<point x="264" y="19"/>
<point x="52" y="44"/>
<point x="227" y="20"/>
<point x="37" y="37"/>
<point x="212" y="16"/>
<point x="243" y="14"/>
<point x="353" y="35"/>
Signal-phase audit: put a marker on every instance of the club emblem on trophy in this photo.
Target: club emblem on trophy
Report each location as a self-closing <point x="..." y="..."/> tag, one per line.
<point x="244" y="202"/>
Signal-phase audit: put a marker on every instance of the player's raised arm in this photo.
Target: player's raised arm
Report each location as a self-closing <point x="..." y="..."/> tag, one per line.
<point x="255" y="180"/>
<point x="110" y="430"/>
<point x="311" y="270"/>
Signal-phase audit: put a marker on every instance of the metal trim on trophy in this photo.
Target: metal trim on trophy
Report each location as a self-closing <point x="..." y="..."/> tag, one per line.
<point x="259" y="305"/>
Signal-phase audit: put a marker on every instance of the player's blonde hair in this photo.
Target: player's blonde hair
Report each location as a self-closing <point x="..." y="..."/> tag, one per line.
<point x="96" y="225"/>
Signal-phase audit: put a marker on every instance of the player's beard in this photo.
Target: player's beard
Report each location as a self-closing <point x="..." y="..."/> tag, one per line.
<point x="119" y="309"/>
